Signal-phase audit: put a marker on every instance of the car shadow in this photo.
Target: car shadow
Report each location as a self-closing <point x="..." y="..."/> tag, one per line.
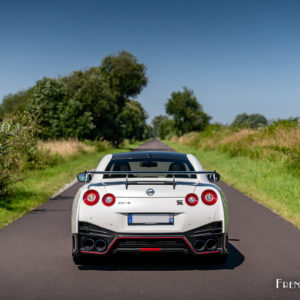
<point x="161" y="262"/>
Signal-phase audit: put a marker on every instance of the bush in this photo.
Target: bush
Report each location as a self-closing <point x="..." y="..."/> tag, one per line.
<point x="18" y="148"/>
<point x="251" y="121"/>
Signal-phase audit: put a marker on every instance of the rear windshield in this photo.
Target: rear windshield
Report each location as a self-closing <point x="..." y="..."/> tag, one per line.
<point x="150" y="165"/>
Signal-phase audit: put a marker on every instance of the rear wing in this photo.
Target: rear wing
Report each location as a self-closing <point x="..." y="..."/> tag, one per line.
<point x="86" y="176"/>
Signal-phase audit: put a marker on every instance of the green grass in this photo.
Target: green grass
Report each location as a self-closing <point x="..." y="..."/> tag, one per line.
<point x="42" y="184"/>
<point x="267" y="182"/>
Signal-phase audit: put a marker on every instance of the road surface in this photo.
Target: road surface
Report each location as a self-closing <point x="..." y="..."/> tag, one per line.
<point x="36" y="262"/>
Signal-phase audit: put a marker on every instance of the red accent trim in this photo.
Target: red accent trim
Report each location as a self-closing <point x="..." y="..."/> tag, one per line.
<point x="90" y="252"/>
<point x="208" y="252"/>
<point x="150" y="237"/>
<point x="150" y="249"/>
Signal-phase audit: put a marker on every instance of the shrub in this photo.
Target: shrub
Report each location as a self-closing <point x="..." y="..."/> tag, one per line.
<point x="18" y="148"/>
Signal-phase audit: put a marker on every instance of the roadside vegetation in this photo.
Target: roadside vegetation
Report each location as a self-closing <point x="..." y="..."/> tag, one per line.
<point x="61" y="126"/>
<point x="36" y="186"/>
<point x="263" y="163"/>
<point x="94" y="106"/>
<point x="257" y="156"/>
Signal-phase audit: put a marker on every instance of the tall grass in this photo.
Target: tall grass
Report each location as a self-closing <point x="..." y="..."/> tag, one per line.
<point x="66" y="148"/>
<point x="279" y="142"/>
<point x="262" y="163"/>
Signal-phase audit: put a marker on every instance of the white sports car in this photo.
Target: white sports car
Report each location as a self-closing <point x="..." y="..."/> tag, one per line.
<point x="149" y="202"/>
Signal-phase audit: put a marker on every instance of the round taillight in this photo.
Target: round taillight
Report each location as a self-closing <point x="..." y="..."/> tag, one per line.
<point x="109" y="199"/>
<point x="209" y="197"/>
<point x="191" y="199"/>
<point x="91" y="197"/>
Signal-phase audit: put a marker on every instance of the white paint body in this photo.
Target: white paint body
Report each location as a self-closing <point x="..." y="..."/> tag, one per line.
<point x="135" y="200"/>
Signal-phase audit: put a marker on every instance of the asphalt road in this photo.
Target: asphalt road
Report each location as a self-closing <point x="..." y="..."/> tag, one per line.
<point x="36" y="262"/>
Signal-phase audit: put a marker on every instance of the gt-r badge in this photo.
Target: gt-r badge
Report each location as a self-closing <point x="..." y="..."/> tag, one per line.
<point x="179" y="202"/>
<point x="150" y="192"/>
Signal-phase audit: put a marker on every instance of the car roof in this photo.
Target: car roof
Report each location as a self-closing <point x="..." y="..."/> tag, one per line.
<point x="149" y="154"/>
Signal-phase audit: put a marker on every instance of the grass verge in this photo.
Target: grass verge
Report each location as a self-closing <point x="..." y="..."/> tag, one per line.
<point x="42" y="184"/>
<point x="267" y="182"/>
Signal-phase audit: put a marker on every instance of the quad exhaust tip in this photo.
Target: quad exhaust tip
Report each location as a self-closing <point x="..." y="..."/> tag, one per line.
<point x="199" y="245"/>
<point x="88" y="244"/>
<point x="100" y="245"/>
<point x="211" y="244"/>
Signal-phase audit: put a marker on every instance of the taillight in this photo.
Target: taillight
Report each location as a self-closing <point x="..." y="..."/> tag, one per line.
<point x="191" y="199"/>
<point x="91" y="197"/>
<point x="209" y="197"/>
<point x="109" y="199"/>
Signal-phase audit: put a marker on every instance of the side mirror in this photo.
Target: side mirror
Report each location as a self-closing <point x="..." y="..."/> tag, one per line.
<point x="83" y="177"/>
<point x="213" y="178"/>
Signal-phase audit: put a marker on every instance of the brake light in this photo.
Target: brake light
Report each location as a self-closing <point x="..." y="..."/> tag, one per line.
<point x="108" y="199"/>
<point x="191" y="199"/>
<point x="91" y="197"/>
<point x="209" y="197"/>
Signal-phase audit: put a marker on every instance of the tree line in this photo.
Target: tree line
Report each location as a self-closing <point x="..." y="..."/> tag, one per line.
<point x="185" y="114"/>
<point x="98" y="103"/>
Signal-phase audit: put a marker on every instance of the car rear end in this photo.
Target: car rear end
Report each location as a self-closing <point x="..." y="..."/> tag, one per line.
<point x="151" y="214"/>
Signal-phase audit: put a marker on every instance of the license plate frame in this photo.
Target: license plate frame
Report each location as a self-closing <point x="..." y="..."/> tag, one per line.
<point x="150" y="219"/>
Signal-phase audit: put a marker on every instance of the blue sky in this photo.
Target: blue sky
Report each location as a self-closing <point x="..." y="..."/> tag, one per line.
<point x="237" y="56"/>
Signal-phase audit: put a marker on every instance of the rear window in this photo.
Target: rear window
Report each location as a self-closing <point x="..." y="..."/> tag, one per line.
<point x="144" y="165"/>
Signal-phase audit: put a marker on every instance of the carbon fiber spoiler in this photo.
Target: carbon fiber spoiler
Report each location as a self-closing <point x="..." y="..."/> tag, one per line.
<point x="85" y="176"/>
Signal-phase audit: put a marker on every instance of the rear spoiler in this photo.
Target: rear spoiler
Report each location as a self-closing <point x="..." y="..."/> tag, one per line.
<point x="86" y="176"/>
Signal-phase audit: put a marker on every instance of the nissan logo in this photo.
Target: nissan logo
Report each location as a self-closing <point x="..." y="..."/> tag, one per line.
<point x="150" y="192"/>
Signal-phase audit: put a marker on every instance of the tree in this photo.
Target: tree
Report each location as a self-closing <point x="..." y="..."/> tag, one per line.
<point x="252" y="120"/>
<point x="47" y="103"/>
<point x="15" y="103"/>
<point x="133" y="120"/>
<point x="89" y="104"/>
<point x="91" y="90"/>
<point x="166" y="127"/>
<point x="148" y="132"/>
<point x="58" y="115"/>
<point x="187" y="112"/>
<point x="156" y="122"/>
<point x="126" y="77"/>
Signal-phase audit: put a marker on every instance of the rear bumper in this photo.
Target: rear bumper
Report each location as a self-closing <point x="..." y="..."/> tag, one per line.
<point x="204" y="240"/>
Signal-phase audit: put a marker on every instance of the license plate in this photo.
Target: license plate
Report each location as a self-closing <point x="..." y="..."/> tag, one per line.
<point x="150" y="219"/>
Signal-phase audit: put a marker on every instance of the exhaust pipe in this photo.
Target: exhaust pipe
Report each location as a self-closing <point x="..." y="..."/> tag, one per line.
<point x="211" y="244"/>
<point x="88" y="244"/>
<point x="199" y="245"/>
<point x="100" y="245"/>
